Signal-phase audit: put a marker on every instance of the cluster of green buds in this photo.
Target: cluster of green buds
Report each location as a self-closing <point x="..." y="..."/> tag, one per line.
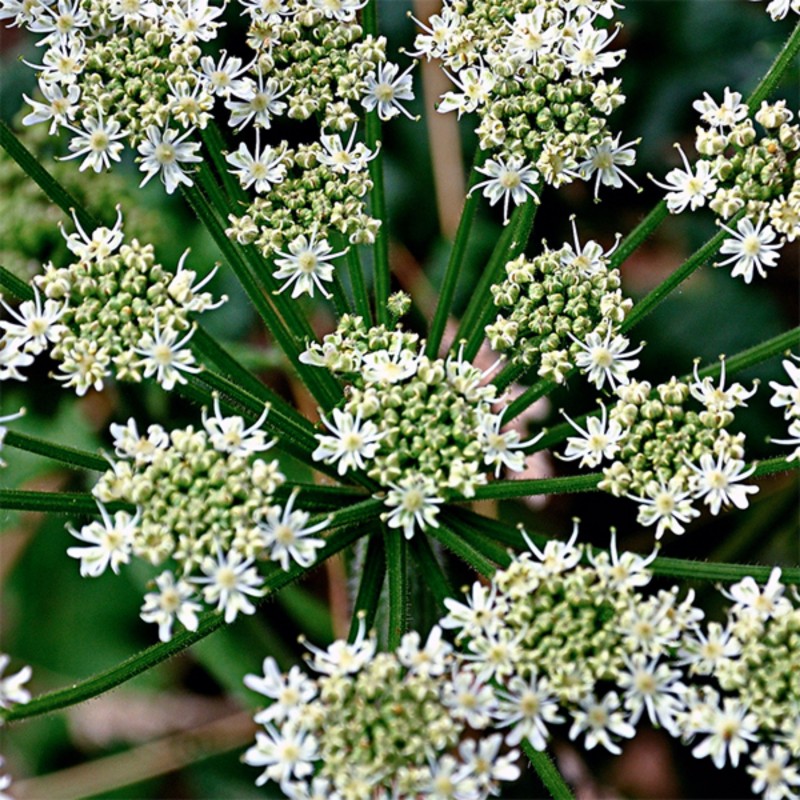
<point x="746" y="687"/>
<point x="563" y="309"/>
<point x="746" y="176"/>
<point x="570" y="637"/>
<point x="205" y="500"/>
<point x="421" y="427"/>
<point x="533" y="72"/>
<point x="665" y="454"/>
<point x="787" y="397"/>
<point x="114" y="310"/>
<point x="379" y="725"/>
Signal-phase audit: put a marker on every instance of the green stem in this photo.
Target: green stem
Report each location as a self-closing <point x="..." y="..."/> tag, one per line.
<point x="396" y="549"/>
<point x="345" y="535"/>
<point x="529" y="397"/>
<point x="216" y="146"/>
<point x="340" y="300"/>
<point x="377" y="194"/>
<point x="56" y="502"/>
<point x="537" y="486"/>
<point x="456" y="260"/>
<point x="782" y="62"/>
<point x="65" y="455"/>
<point x="466" y="552"/>
<point x="433" y="576"/>
<point x="632" y="241"/>
<point x="356" y="272"/>
<point x="487" y="546"/>
<point x="370" y="586"/>
<point x="15" y="286"/>
<point x="548" y="773"/>
<point x="47" y="183"/>
<point x="510" y="244"/>
<point x="512" y="371"/>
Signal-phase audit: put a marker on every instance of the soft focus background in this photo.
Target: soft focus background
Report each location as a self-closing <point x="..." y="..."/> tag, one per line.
<point x="178" y="731"/>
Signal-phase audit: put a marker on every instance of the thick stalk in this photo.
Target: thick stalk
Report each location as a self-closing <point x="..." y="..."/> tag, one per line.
<point x="396" y="549"/>
<point x="548" y="773"/>
<point x="370" y="586"/>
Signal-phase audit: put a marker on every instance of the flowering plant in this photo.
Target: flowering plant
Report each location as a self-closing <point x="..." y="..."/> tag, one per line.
<point x="399" y="424"/>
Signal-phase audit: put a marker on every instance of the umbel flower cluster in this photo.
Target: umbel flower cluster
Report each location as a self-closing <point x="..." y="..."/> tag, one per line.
<point x="113" y="311"/>
<point x="564" y="636"/>
<point x="563" y="309"/>
<point x="746" y="177"/>
<point x="533" y="72"/>
<point x="136" y="72"/>
<point x="664" y="453"/>
<point x="204" y="499"/>
<point x="422" y="427"/>
<point x="378" y="725"/>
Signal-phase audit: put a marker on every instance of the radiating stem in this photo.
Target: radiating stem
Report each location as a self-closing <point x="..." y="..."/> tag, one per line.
<point x="510" y="244"/>
<point x="370" y="585"/>
<point x="548" y="774"/>
<point x="396" y="549"/>
<point x="65" y="455"/>
<point x="456" y="260"/>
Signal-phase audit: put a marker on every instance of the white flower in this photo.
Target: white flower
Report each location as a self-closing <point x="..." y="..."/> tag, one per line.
<point x="496" y="655"/>
<point x="751" y="599"/>
<point x="718" y="398"/>
<point x="778" y="9"/>
<point x="469" y="699"/>
<point x="787" y="397"/>
<point x="230" y="580"/>
<point x="191" y="20"/>
<point x="725" y="115"/>
<point x="60" y="108"/>
<point x="165" y="355"/>
<point x="341" y="158"/>
<point x="605" y="359"/>
<point x="450" y="780"/>
<point x="476" y="86"/>
<point x="486" y="765"/>
<point x="773" y="773"/>
<point x="414" y="500"/>
<point x="590" y="258"/>
<point x="352" y="441"/>
<point x="750" y="248"/>
<point x="389" y="366"/>
<point x="525" y="707"/>
<point x="794" y="433"/>
<point x="98" y="142"/>
<point x="285" y="754"/>
<point x="258" y="102"/>
<point x="183" y="290"/>
<point x="5" y="780"/>
<point x="306" y="265"/>
<point x="264" y="169"/>
<point x="109" y="541"/>
<point x="687" y="188"/>
<point x="668" y="505"/>
<point x="35" y="325"/>
<point x="100" y="245"/>
<point x="129" y="444"/>
<point x="385" y="89"/>
<point x="605" y="159"/>
<point x="556" y="557"/>
<point x="342" y="10"/>
<point x="190" y="104"/>
<point x="222" y="77"/>
<point x="164" y="153"/>
<point x="597" y="441"/>
<point x="653" y="687"/>
<point x="480" y="616"/>
<point x="706" y="651"/>
<point x="508" y="180"/>
<point x="289" y="693"/>
<point x="285" y="533"/>
<point x="229" y="434"/>
<point x="730" y="730"/>
<point x="429" y="660"/>
<point x="502" y="449"/>
<point x="530" y="35"/>
<point x="12" y="357"/>
<point x="11" y="690"/>
<point x="600" y="718"/>
<point x="344" y="658"/>
<point x="715" y="482"/>
<point x="63" y="62"/>
<point x="583" y="52"/>
<point x="624" y="572"/>
<point x="173" y="600"/>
